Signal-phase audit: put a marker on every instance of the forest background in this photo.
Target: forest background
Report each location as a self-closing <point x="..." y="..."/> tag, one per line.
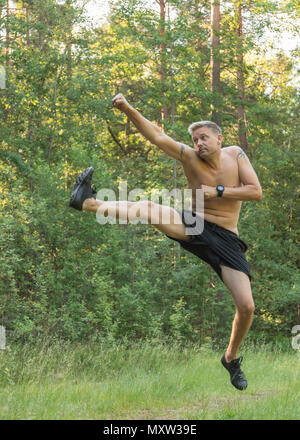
<point x="64" y="276"/>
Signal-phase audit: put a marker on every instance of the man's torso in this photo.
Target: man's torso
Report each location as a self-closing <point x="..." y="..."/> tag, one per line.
<point x="221" y="211"/>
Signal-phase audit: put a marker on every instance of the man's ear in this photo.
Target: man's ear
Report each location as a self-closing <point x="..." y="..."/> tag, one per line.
<point x="220" y="138"/>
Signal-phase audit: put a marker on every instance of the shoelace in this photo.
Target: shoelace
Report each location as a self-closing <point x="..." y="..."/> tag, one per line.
<point x="80" y="179"/>
<point x="237" y="362"/>
<point x="238" y="373"/>
<point x="240" y="376"/>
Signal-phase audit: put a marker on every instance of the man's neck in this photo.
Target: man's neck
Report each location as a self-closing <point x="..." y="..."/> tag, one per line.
<point x="214" y="160"/>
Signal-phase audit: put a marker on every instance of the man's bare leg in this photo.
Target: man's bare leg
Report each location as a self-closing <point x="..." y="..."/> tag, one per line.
<point x="237" y="282"/>
<point x="239" y="285"/>
<point x="151" y="212"/>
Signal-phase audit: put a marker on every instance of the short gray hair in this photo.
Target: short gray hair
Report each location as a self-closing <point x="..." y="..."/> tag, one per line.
<point x="212" y="125"/>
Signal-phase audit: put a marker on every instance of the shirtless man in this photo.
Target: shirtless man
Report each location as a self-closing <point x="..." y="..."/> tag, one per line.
<point x="227" y="178"/>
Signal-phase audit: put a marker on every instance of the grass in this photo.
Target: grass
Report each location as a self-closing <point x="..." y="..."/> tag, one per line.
<point x="145" y="381"/>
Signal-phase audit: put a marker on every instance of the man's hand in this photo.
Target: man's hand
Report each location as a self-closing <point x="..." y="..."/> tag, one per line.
<point x="209" y="192"/>
<point x="120" y="102"/>
<point x="152" y="132"/>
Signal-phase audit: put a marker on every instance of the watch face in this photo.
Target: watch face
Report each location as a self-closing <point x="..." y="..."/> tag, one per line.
<point x="220" y="188"/>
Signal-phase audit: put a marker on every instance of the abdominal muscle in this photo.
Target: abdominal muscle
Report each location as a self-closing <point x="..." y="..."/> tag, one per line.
<point x="221" y="217"/>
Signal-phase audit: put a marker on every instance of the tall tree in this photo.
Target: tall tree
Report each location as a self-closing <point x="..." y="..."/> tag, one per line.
<point x="242" y="122"/>
<point x="215" y="60"/>
<point x="162" y="49"/>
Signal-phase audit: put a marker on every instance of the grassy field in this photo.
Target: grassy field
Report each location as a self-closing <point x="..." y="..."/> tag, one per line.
<point x="145" y="382"/>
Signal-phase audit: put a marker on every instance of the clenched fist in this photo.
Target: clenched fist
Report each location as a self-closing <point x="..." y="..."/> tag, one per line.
<point x="209" y="192"/>
<point x="120" y="102"/>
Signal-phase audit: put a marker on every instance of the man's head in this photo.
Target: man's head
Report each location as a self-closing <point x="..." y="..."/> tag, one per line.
<point x="207" y="137"/>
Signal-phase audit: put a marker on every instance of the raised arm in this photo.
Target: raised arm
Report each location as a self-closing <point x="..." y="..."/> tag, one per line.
<point x="151" y="131"/>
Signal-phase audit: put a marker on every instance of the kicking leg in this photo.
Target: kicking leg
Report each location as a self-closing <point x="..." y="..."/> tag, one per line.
<point x="164" y="218"/>
<point x="239" y="285"/>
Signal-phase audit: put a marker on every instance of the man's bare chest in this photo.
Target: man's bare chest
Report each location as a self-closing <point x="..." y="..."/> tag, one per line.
<point x="200" y="174"/>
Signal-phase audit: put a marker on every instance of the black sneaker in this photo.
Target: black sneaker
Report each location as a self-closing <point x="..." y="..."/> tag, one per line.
<point x="82" y="189"/>
<point x="237" y="377"/>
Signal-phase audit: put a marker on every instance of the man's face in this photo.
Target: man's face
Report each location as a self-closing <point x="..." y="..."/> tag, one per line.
<point x="206" y="141"/>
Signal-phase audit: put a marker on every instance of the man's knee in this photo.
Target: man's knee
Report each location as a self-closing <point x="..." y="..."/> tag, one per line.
<point x="246" y="309"/>
<point x="163" y="217"/>
<point x="153" y="212"/>
<point x="142" y="210"/>
<point x="150" y="208"/>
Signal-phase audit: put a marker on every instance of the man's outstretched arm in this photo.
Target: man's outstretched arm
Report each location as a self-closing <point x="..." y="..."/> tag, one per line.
<point x="151" y="131"/>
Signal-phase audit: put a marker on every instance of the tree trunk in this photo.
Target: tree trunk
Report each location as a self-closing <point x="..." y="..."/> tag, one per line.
<point x="162" y="49"/>
<point x="7" y="34"/>
<point x="6" y="52"/>
<point x="215" y="61"/>
<point x="69" y="71"/>
<point x="240" y="81"/>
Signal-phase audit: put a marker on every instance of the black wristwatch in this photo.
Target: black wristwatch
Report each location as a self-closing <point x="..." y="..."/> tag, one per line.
<point x="220" y="189"/>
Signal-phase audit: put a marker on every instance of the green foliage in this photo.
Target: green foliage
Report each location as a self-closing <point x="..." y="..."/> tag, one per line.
<point x="61" y="272"/>
<point x="179" y="321"/>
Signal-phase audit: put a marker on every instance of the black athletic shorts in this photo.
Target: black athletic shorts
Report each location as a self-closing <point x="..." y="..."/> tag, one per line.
<point x="216" y="246"/>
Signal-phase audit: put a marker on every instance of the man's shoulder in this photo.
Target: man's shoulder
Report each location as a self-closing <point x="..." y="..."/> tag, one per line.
<point x="186" y="152"/>
<point x="237" y="153"/>
<point x="232" y="150"/>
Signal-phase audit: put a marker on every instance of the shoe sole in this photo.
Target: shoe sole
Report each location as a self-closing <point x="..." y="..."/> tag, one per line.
<point x="89" y="171"/>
